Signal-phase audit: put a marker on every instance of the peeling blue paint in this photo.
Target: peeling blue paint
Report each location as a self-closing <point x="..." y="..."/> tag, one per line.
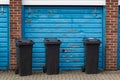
<point x="70" y="25"/>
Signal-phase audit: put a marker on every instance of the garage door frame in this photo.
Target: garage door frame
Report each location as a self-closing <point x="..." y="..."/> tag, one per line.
<point x="104" y="25"/>
<point x="118" y="49"/>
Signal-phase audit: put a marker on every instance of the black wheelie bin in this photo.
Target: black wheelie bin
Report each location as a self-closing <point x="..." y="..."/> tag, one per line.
<point x="52" y="55"/>
<point x="24" y="57"/>
<point x="91" y="55"/>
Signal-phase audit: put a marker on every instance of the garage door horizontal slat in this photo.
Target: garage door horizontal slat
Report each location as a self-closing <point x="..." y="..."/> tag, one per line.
<point x="79" y="35"/>
<point x="63" y="10"/>
<point x="52" y="25"/>
<point x="63" y="16"/>
<point x="66" y="21"/>
<point x="72" y="30"/>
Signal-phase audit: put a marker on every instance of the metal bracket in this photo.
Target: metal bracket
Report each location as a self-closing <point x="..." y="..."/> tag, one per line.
<point x="2" y="10"/>
<point x="29" y="11"/>
<point x="95" y="12"/>
<point x="50" y="12"/>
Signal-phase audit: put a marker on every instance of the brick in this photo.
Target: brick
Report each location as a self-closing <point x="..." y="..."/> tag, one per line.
<point x="15" y="28"/>
<point x="111" y="34"/>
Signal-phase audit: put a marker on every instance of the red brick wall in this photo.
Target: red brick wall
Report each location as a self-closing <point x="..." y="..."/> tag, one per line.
<point x="15" y="28"/>
<point x="111" y="34"/>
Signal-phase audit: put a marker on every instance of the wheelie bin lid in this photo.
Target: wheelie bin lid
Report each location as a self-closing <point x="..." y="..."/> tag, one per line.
<point x="20" y="42"/>
<point x="52" y="41"/>
<point x="91" y="41"/>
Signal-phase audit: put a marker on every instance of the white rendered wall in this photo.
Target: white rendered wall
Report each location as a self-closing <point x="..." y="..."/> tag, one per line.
<point x="3" y="2"/>
<point x="64" y="2"/>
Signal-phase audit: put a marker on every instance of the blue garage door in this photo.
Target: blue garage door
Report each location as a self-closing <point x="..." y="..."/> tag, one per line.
<point x="119" y="40"/>
<point x="4" y="37"/>
<point x="70" y="25"/>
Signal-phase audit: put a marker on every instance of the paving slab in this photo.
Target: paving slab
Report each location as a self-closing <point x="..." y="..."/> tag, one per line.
<point x="64" y="75"/>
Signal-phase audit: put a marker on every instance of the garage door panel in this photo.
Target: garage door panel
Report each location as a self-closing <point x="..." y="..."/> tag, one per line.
<point x="3" y="20"/>
<point x="3" y="59"/>
<point x="3" y="15"/>
<point x="70" y="44"/>
<point x="4" y="49"/>
<point x="72" y="30"/>
<point x="74" y="64"/>
<point x="3" y="64"/>
<point x="62" y="60"/>
<point x="67" y="49"/>
<point x="5" y="8"/>
<point x="77" y="25"/>
<point x="64" y="10"/>
<point x="3" y="35"/>
<point x="61" y="64"/>
<point x="70" y="25"/>
<point x="3" y="54"/>
<point x="3" y="44"/>
<point x="64" y="55"/>
<point x="4" y="38"/>
<point x="3" y="25"/>
<point x="3" y="30"/>
<point x="62" y="16"/>
<point x="62" y="35"/>
<point x="66" y="40"/>
<point x="3" y="68"/>
<point x="35" y="21"/>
